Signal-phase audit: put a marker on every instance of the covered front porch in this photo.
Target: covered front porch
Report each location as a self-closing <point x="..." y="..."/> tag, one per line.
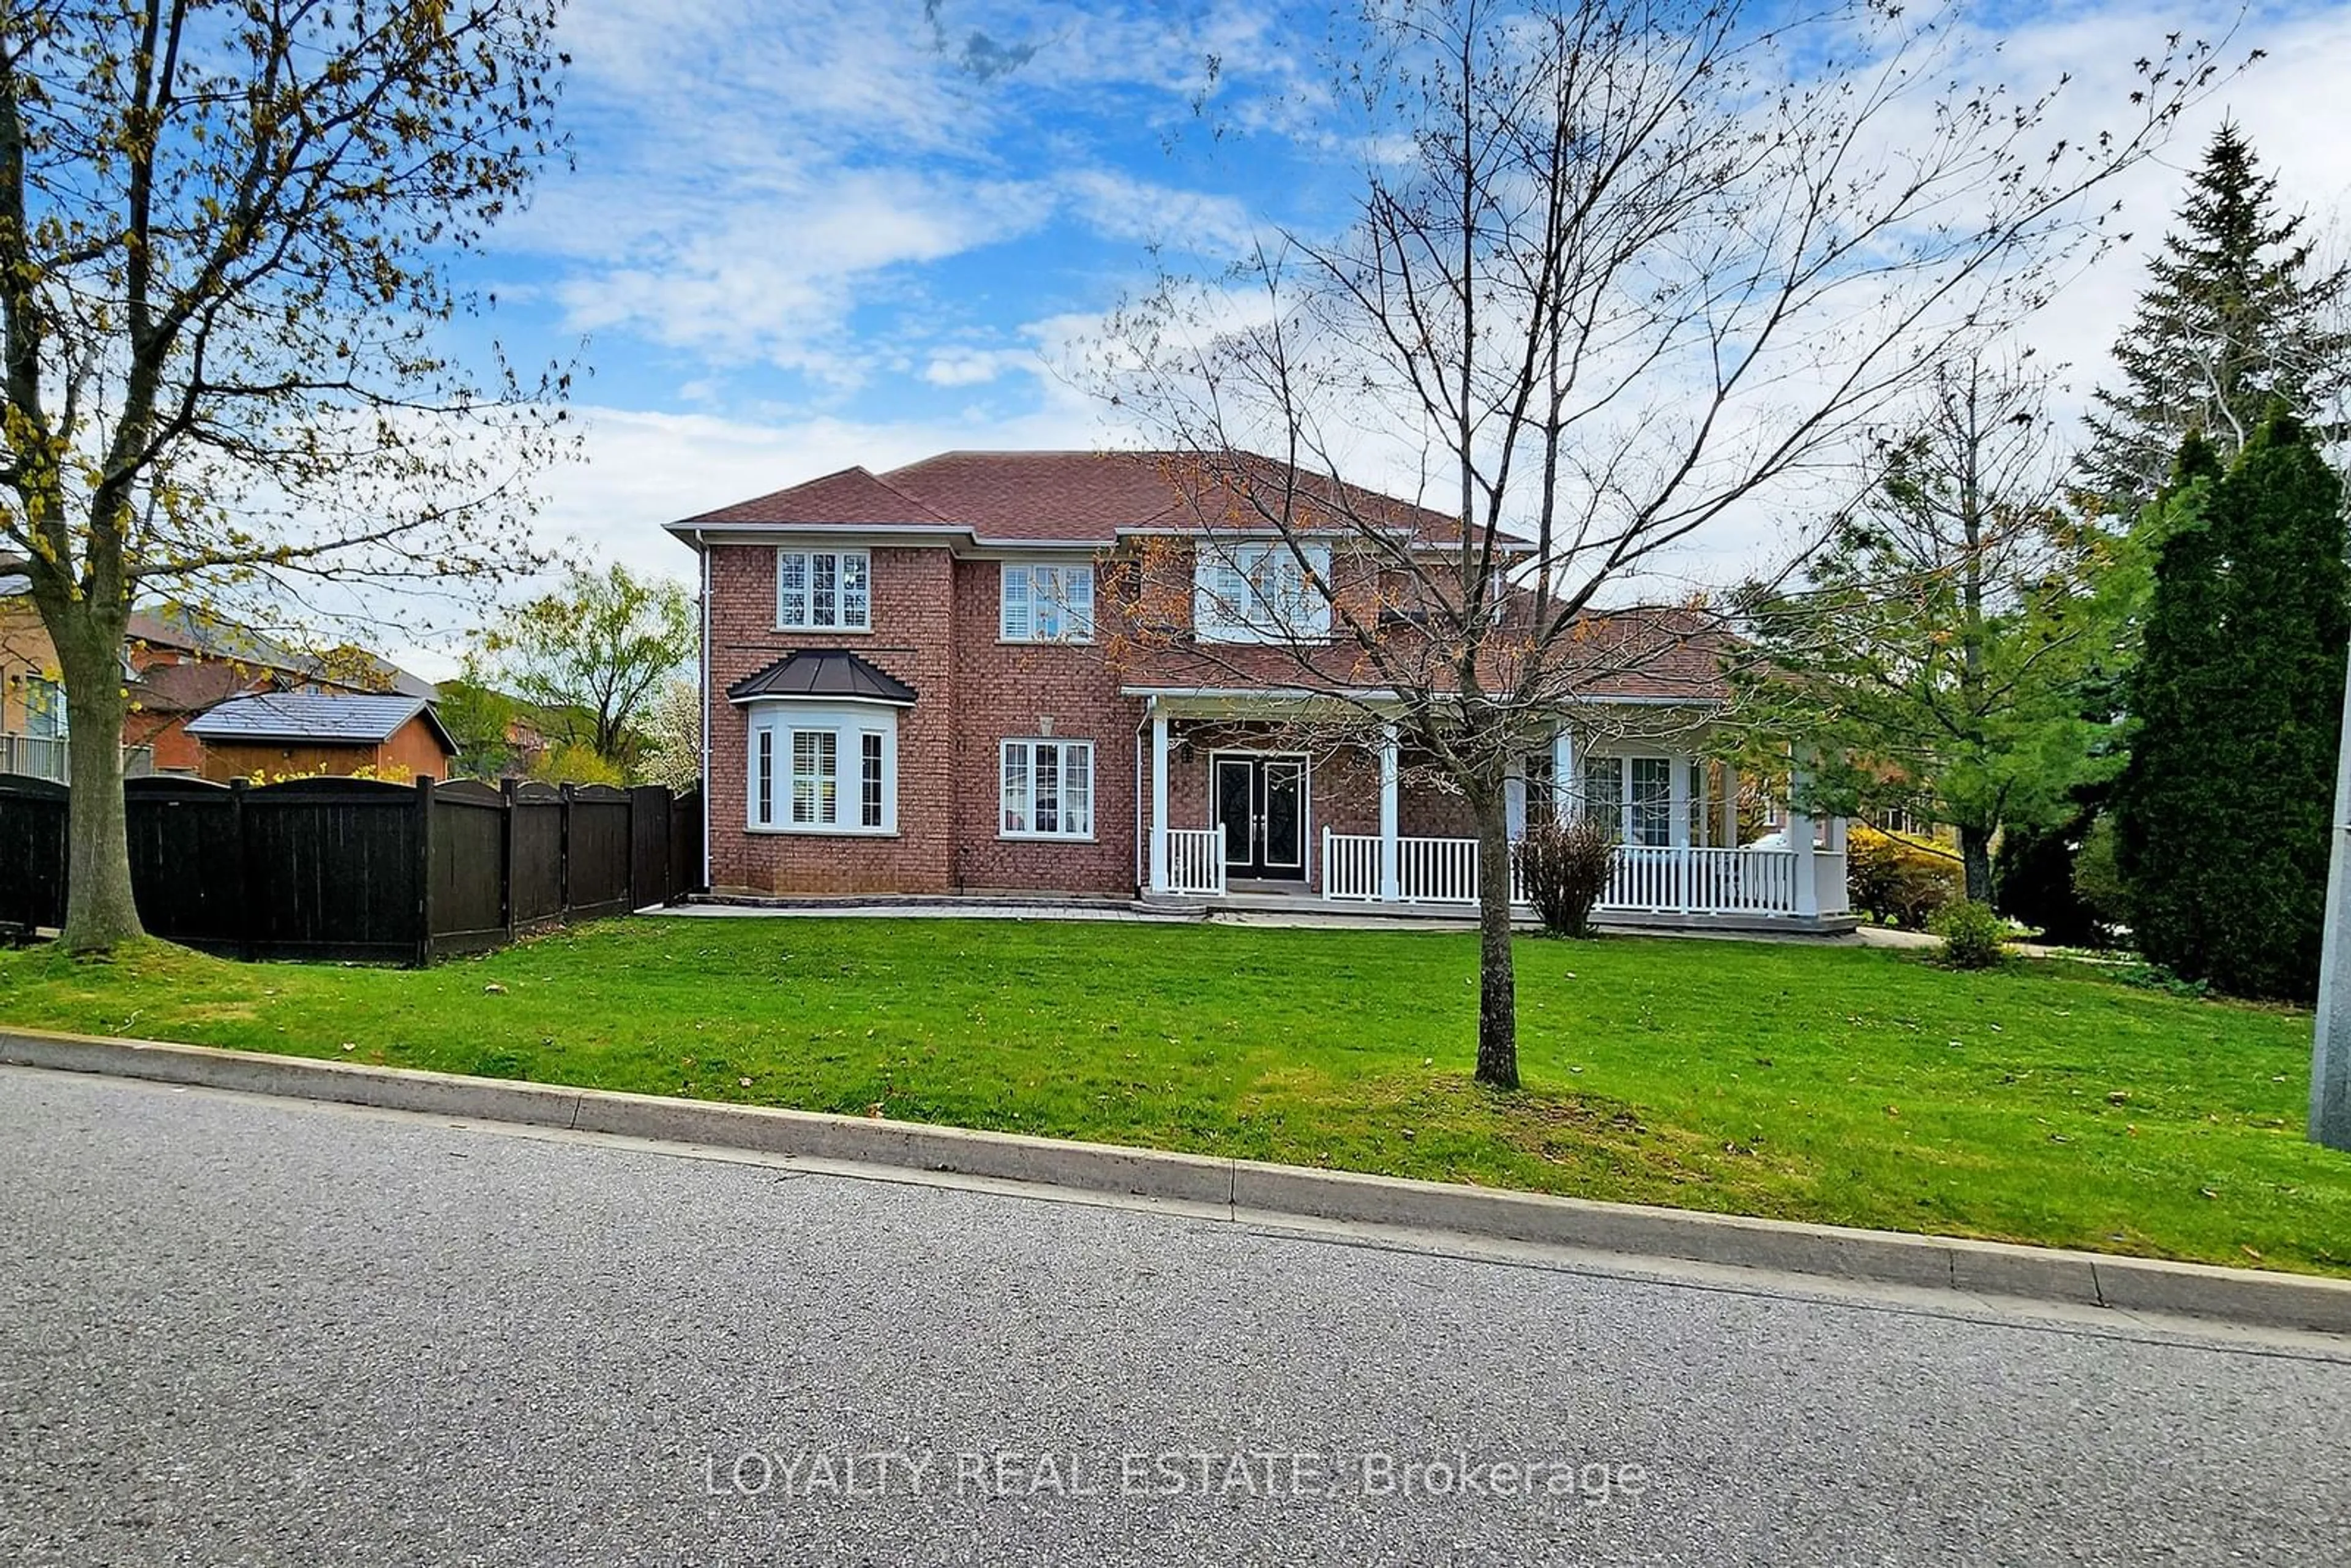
<point x="1236" y="813"/>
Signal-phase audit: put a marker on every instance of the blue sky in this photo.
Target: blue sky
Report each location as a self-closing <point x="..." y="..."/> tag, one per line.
<point x="814" y="233"/>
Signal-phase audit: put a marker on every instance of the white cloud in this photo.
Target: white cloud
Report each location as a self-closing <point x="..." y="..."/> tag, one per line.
<point x="763" y="196"/>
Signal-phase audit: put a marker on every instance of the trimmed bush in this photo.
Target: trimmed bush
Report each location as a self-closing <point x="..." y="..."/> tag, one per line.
<point x="1564" y="868"/>
<point x="1974" y="936"/>
<point x="1896" y="881"/>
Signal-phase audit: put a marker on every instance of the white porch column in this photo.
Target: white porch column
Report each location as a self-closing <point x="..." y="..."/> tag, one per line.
<point x="1837" y="899"/>
<point x="1799" y="839"/>
<point x="1391" y="771"/>
<point x="1158" y="799"/>
<point x="1562" y="771"/>
<point x="1677" y="801"/>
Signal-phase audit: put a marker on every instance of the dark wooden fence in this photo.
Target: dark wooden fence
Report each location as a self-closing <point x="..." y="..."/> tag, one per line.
<point x="353" y="868"/>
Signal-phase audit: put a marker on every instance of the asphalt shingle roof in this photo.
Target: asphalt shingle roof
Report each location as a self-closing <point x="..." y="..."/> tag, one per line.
<point x="331" y="718"/>
<point x="1074" y="497"/>
<point x="822" y="673"/>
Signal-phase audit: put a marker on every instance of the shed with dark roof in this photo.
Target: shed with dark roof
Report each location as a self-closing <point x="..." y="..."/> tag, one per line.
<point x="279" y="735"/>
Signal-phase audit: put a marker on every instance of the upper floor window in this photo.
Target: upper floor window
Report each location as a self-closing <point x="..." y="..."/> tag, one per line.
<point x="1046" y="603"/>
<point x="44" y="708"/>
<point x="824" y="591"/>
<point x="1260" y="594"/>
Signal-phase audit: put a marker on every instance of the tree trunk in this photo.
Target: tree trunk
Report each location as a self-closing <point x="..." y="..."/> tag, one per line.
<point x="1975" y="860"/>
<point x="1498" y="1010"/>
<point x="99" y="911"/>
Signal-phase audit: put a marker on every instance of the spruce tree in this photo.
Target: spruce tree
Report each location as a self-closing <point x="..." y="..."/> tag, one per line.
<point x="2231" y="320"/>
<point x="2221" y="813"/>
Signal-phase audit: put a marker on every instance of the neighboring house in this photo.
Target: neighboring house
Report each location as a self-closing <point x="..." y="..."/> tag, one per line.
<point x="280" y="735"/>
<point x="176" y="665"/>
<point x="910" y="687"/>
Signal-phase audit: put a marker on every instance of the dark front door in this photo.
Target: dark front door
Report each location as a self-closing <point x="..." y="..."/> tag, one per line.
<point x="1261" y="805"/>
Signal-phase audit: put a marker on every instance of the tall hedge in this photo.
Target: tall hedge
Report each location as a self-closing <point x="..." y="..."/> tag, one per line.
<point x="2221" y="815"/>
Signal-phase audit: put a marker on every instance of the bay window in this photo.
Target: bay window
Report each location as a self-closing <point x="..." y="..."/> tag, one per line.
<point x="824" y="769"/>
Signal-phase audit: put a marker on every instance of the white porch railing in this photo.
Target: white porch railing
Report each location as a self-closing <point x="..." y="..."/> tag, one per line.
<point x="1351" y="865"/>
<point x="1436" y="871"/>
<point x="1653" y="879"/>
<point x="1703" y="881"/>
<point x="1428" y="871"/>
<point x="1195" y="862"/>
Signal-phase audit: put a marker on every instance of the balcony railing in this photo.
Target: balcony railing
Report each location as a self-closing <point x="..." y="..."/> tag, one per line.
<point x="47" y="756"/>
<point x="35" y="756"/>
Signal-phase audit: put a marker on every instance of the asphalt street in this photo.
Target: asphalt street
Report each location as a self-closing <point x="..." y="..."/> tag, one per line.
<point x="245" y="1330"/>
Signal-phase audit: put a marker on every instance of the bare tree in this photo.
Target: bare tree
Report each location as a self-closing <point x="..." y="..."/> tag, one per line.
<point x="1619" y="270"/>
<point x="225" y="228"/>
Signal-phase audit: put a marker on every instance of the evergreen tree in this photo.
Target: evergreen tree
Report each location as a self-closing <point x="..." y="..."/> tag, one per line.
<point x="1939" y="643"/>
<point x="2221" y="813"/>
<point x="2230" y="321"/>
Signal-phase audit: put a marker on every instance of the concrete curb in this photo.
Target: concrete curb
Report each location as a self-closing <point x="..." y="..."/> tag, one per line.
<point x="1244" y="1187"/>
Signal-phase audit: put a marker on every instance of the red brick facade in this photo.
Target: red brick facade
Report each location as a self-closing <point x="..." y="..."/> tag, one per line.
<point x="935" y="627"/>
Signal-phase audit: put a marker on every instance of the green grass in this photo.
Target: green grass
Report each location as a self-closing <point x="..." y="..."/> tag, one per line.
<point x="2047" y="1102"/>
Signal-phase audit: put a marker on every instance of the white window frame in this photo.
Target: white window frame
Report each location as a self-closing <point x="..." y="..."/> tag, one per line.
<point x="1655" y="809"/>
<point x="1063" y="750"/>
<point x="46" y="715"/>
<point x="1030" y="591"/>
<point x="1230" y="587"/>
<point x="799" y="609"/>
<point x="847" y="723"/>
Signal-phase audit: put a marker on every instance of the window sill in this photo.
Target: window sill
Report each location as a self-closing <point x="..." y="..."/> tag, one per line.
<point x="1241" y="637"/>
<point x="813" y="830"/>
<point x="827" y="631"/>
<point x="1004" y="642"/>
<point x="1045" y="838"/>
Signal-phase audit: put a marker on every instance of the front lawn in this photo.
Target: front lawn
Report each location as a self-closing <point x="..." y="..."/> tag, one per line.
<point x="1853" y="1086"/>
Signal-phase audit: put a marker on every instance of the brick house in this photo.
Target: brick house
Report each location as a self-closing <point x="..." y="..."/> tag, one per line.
<point x="918" y="683"/>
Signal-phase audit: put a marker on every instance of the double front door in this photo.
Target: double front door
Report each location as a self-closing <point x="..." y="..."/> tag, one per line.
<point x="1262" y="807"/>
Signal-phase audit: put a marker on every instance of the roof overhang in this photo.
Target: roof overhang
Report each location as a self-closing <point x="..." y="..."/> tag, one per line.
<point x="823" y="675"/>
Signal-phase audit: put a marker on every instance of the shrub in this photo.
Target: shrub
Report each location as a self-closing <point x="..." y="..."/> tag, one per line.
<point x="571" y="763"/>
<point x="2156" y="977"/>
<point x="1564" y="868"/>
<point x="1974" y="936"/>
<point x="1894" y="881"/>
<point x="2098" y="873"/>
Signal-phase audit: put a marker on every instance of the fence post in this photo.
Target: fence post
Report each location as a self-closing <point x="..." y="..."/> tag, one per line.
<point x="563" y="860"/>
<point x="423" y="872"/>
<point x="507" y="789"/>
<point x="248" y="944"/>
